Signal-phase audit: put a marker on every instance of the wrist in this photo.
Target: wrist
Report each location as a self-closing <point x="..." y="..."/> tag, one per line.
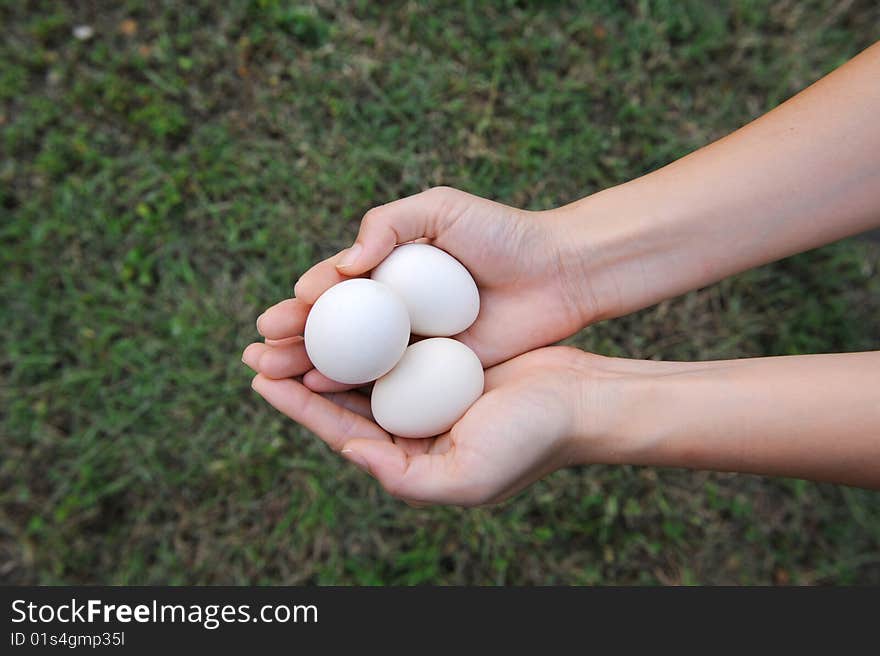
<point x="620" y="411"/>
<point x="628" y="247"/>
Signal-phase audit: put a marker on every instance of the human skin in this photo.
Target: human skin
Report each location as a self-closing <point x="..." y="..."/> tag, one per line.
<point x="809" y="416"/>
<point x="805" y="174"/>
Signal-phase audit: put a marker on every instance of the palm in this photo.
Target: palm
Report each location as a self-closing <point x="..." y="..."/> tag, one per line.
<point x="510" y="437"/>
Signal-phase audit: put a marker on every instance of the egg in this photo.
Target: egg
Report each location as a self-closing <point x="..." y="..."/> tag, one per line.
<point x="357" y="331"/>
<point x="439" y="293"/>
<point x="432" y="386"/>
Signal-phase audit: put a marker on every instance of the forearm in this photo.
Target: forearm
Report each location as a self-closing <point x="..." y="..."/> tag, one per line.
<point x="803" y="175"/>
<point x="811" y="416"/>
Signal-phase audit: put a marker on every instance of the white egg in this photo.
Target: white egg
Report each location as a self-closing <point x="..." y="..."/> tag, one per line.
<point x="356" y="331"/>
<point x="440" y="294"/>
<point x="432" y="386"/>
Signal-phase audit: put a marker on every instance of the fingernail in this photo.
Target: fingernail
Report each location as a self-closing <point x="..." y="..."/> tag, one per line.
<point x="350" y="257"/>
<point x="259" y="318"/>
<point x="250" y="358"/>
<point x="356" y="458"/>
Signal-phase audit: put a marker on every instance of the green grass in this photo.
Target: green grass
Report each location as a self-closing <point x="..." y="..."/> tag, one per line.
<point x="165" y="180"/>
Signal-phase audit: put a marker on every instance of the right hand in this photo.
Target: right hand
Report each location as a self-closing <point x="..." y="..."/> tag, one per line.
<point x="523" y="263"/>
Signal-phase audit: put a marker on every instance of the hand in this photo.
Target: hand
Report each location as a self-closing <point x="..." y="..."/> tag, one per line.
<point x="528" y="423"/>
<point x="530" y="292"/>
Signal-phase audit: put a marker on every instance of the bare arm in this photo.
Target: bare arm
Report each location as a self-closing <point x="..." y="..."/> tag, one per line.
<point x="809" y="416"/>
<point x="813" y="416"/>
<point x="805" y="174"/>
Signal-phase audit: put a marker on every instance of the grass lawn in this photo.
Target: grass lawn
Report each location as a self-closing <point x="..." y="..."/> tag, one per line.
<point x="167" y="177"/>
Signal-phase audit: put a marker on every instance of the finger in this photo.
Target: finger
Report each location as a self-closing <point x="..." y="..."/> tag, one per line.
<point x="425" y="478"/>
<point x="284" y="361"/>
<point x="382" y="228"/>
<point x="319" y="279"/>
<point x="284" y="319"/>
<point x="333" y="423"/>
<point x="286" y="341"/>
<point x="252" y="353"/>
<point x="352" y="401"/>
<point x="318" y="382"/>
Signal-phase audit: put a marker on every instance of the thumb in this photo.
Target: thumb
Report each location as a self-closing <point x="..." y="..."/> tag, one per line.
<point x="422" y="215"/>
<point x="425" y="478"/>
<point x="387" y="463"/>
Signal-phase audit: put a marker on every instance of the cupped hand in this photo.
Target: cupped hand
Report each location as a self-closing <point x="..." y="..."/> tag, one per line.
<point x="531" y="294"/>
<point x="527" y="424"/>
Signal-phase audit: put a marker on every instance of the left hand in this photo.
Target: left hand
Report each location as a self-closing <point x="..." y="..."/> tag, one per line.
<point x="527" y="424"/>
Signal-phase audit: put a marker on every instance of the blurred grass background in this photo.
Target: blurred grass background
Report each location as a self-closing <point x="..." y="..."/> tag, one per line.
<point x="171" y="170"/>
